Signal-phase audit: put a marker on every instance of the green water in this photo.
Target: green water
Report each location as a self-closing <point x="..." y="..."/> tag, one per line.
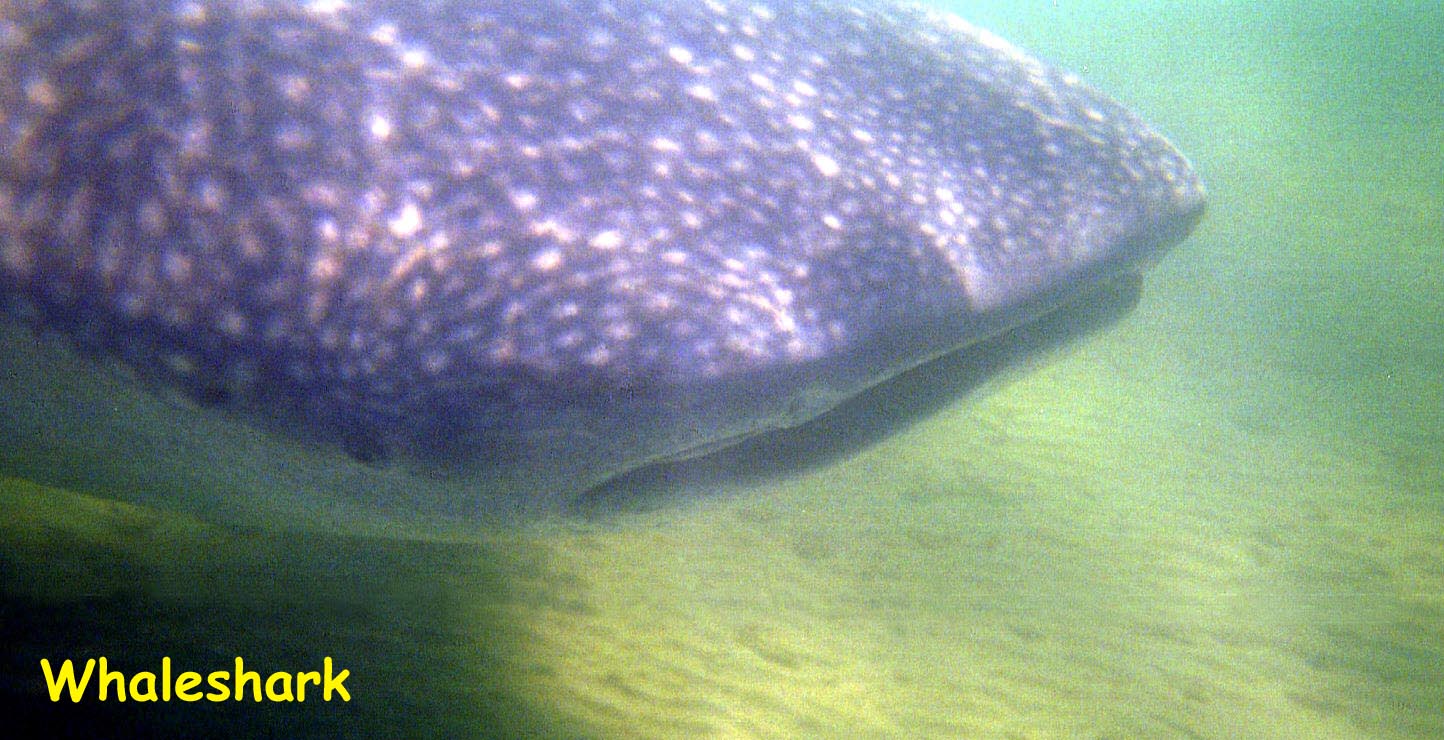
<point x="1222" y="518"/>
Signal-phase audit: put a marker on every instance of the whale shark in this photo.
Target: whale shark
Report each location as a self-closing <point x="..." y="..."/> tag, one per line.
<point x="359" y="260"/>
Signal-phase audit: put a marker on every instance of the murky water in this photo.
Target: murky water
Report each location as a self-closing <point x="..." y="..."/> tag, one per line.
<point x="1222" y="517"/>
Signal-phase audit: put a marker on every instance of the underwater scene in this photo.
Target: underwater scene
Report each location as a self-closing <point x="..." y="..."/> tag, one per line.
<point x="1204" y="504"/>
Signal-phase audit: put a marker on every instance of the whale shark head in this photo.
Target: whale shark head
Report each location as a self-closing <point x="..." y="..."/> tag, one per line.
<point x="533" y="245"/>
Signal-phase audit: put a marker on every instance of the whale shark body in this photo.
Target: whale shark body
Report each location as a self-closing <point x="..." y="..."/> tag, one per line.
<point x="481" y="256"/>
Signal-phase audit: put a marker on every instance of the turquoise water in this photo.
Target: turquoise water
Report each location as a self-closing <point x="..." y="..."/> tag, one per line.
<point x="1223" y="517"/>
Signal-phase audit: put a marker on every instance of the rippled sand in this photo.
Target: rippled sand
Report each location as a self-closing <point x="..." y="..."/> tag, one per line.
<point x="1222" y="518"/>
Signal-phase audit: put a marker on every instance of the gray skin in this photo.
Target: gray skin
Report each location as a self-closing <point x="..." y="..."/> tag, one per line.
<point x="520" y="247"/>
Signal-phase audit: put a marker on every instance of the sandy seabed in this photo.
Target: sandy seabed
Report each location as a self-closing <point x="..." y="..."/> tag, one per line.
<point x="1222" y="518"/>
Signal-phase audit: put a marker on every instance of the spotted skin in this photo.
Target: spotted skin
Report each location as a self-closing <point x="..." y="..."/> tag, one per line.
<point x="539" y="243"/>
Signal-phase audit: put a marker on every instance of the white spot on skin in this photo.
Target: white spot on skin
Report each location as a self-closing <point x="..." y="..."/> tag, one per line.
<point x="547" y="260"/>
<point x="552" y="228"/>
<point x="826" y="165"/>
<point x="621" y="331"/>
<point x="680" y="55"/>
<point x="295" y="87"/>
<point x="380" y="127"/>
<point x="800" y="122"/>
<point x="327" y="7"/>
<point x="176" y="266"/>
<point x="831" y="221"/>
<point x="384" y="34"/>
<point x="609" y="239"/>
<point x="744" y="53"/>
<point x="406" y="222"/>
<point x="407" y="263"/>
<point x="504" y="350"/>
<point x="599" y="356"/>
<point x="41" y="93"/>
<point x="523" y="200"/>
<point x="415" y="58"/>
<point x="328" y="230"/>
<point x="600" y="38"/>
<point x="702" y="92"/>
